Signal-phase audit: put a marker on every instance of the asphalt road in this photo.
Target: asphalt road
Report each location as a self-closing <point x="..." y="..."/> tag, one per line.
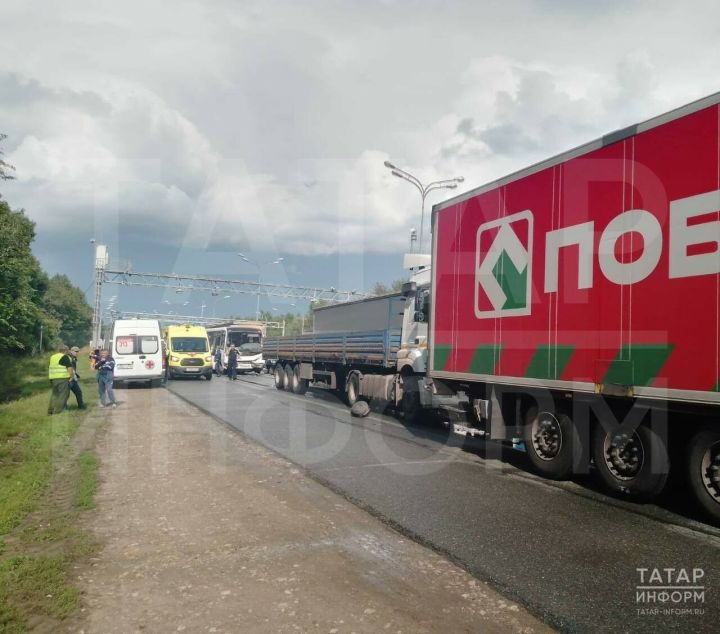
<point x="565" y="551"/>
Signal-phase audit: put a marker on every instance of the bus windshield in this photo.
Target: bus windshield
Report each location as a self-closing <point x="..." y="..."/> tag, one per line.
<point x="189" y="344"/>
<point x="245" y="342"/>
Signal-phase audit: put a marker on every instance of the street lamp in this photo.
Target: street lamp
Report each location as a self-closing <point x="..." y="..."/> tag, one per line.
<point x="450" y="183"/>
<point x="258" y="266"/>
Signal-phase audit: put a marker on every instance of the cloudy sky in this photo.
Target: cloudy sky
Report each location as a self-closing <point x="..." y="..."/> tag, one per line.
<point x="183" y="133"/>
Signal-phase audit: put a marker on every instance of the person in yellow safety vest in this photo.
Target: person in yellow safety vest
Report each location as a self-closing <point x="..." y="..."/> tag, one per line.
<point x="61" y="374"/>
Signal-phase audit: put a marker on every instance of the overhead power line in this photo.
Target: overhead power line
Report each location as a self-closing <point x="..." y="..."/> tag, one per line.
<point x="216" y="286"/>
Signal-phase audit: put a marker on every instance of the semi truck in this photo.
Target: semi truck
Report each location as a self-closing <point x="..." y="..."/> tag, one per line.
<point x="571" y="309"/>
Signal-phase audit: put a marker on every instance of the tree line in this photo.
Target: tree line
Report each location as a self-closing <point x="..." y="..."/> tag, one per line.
<point x="30" y="301"/>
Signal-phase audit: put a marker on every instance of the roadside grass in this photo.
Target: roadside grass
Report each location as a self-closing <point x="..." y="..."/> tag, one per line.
<point x="87" y="485"/>
<point x="46" y="482"/>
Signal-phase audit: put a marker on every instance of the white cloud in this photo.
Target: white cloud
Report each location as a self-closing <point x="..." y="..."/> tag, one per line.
<point x="242" y="126"/>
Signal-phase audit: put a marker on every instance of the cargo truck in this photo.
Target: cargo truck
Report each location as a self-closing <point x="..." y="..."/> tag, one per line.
<point x="573" y="310"/>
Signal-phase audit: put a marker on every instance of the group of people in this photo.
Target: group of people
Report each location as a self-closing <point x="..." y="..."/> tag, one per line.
<point x="232" y="356"/>
<point x="64" y="378"/>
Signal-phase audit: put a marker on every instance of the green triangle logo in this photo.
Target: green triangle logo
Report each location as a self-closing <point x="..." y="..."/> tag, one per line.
<point x="512" y="282"/>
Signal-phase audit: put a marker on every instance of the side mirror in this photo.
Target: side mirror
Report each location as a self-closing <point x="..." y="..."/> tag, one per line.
<point x="419" y="316"/>
<point x="409" y="289"/>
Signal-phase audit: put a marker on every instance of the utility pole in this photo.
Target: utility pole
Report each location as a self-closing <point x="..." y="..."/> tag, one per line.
<point x="101" y="261"/>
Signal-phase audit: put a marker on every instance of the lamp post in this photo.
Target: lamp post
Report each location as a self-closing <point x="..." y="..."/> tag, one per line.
<point x="450" y="183"/>
<point x="258" y="266"/>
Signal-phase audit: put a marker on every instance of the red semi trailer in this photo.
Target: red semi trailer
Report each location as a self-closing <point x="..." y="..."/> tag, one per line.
<point x="576" y="304"/>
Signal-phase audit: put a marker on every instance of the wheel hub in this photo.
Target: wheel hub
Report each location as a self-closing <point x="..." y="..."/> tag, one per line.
<point x="624" y="455"/>
<point x="710" y="471"/>
<point x="546" y="437"/>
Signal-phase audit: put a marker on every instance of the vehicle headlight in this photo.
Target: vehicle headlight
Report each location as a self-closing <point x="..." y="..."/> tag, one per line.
<point x="208" y="359"/>
<point x="174" y="359"/>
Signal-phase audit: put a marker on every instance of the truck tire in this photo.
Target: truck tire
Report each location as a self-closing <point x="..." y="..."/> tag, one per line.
<point x="703" y="466"/>
<point x="299" y="386"/>
<point x="352" y="389"/>
<point x="279" y="377"/>
<point x="411" y="406"/>
<point x="633" y="464"/>
<point x="288" y="372"/>
<point x="550" y="441"/>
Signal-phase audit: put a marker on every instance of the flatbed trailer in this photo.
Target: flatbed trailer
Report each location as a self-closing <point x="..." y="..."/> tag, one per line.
<point x="343" y="354"/>
<point x="377" y="348"/>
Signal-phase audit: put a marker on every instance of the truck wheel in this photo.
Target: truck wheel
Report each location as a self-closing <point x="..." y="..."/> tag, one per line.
<point x="299" y="386"/>
<point x="412" y="409"/>
<point x="704" y="470"/>
<point x="279" y="377"/>
<point x="550" y="439"/>
<point x="634" y="463"/>
<point x="288" y="371"/>
<point x="352" y="389"/>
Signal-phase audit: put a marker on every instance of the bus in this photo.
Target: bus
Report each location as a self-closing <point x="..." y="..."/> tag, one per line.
<point x="246" y="336"/>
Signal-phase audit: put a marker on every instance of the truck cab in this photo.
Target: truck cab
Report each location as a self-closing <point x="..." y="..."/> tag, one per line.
<point x="413" y="350"/>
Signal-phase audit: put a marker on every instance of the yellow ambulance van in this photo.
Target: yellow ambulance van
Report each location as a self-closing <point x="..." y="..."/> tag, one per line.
<point x="188" y="352"/>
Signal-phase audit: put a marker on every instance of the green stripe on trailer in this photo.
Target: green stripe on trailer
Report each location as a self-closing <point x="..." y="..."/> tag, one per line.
<point x="717" y="386"/>
<point x="441" y="355"/>
<point x="549" y="362"/>
<point x="485" y="359"/>
<point x="638" y="364"/>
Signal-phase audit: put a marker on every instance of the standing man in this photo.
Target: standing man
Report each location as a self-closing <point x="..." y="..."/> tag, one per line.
<point x="218" y="360"/>
<point x="105" y="368"/>
<point x="61" y="375"/>
<point x="232" y="363"/>
<point x="75" y="385"/>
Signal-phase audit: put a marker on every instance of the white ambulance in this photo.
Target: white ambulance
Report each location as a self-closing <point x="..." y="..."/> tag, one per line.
<point x="137" y="348"/>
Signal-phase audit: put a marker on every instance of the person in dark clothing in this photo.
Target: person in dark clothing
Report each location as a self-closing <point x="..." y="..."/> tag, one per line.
<point x="218" y="360"/>
<point x="61" y="374"/>
<point x="94" y="358"/>
<point x="232" y="363"/>
<point x="105" y="368"/>
<point x="75" y="385"/>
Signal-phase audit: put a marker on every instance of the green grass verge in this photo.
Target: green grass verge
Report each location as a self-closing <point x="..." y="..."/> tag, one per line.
<point x="39" y="535"/>
<point x="34" y="586"/>
<point x="87" y="485"/>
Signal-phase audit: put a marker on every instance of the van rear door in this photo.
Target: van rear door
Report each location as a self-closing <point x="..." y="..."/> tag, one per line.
<point x="138" y="355"/>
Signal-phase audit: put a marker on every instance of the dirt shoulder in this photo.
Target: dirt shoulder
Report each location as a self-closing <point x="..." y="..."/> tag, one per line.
<point x="203" y="531"/>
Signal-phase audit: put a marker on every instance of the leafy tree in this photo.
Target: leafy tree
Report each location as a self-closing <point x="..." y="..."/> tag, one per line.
<point x="5" y="168"/>
<point x="22" y="285"/>
<point x="67" y="304"/>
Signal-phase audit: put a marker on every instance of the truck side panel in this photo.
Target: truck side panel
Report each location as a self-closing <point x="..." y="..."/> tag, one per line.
<point x="375" y="313"/>
<point x="600" y="271"/>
